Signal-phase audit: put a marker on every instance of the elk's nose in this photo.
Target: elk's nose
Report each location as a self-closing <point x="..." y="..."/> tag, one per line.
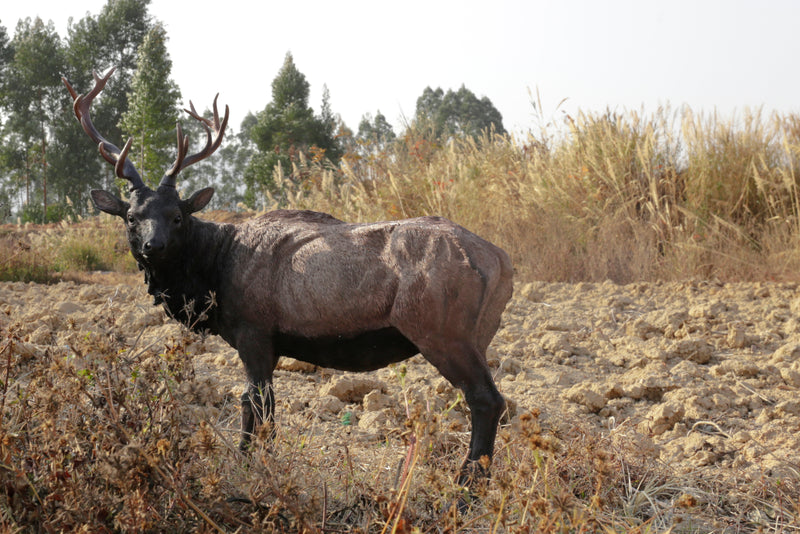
<point x="153" y="245"/>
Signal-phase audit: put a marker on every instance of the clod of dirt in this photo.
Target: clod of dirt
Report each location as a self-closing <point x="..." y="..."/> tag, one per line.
<point x="351" y="388"/>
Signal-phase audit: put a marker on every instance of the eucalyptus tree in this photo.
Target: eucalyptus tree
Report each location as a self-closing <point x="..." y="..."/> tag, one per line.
<point x="457" y="113"/>
<point x="223" y="170"/>
<point x="40" y="151"/>
<point x="6" y="56"/>
<point x="153" y="107"/>
<point x="7" y="184"/>
<point x="32" y="99"/>
<point x="375" y="132"/>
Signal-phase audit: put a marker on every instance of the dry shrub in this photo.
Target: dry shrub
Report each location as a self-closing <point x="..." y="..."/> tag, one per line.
<point x="19" y="263"/>
<point x="100" y="435"/>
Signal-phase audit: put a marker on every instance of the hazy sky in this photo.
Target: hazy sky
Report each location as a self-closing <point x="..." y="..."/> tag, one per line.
<point x="623" y="55"/>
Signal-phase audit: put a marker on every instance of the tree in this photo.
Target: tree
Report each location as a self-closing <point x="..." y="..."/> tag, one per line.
<point x="41" y="145"/>
<point x="326" y="135"/>
<point x="457" y="113"/>
<point x="152" y="107"/>
<point x="98" y="42"/>
<point x="6" y="57"/>
<point x="7" y="186"/>
<point x="32" y="95"/>
<point x="375" y="131"/>
<point x="286" y="128"/>
<point x="13" y="173"/>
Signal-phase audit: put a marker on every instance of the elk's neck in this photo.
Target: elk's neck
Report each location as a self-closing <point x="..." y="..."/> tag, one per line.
<point x="187" y="286"/>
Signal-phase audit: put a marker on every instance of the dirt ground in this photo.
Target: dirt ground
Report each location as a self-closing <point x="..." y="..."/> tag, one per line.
<point x="701" y="375"/>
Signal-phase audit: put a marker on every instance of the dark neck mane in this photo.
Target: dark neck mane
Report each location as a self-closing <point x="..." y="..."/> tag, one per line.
<point x="187" y="285"/>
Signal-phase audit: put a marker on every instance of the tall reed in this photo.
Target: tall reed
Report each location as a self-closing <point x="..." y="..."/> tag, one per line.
<point x="621" y="196"/>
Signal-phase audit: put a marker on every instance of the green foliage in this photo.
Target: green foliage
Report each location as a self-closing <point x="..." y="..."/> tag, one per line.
<point x="32" y="88"/>
<point x="290" y="87"/>
<point x="45" y="158"/>
<point x="33" y="213"/>
<point x="79" y="254"/>
<point x="12" y="173"/>
<point x="375" y="130"/>
<point x="82" y="256"/>
<point x="152" y="107"/>
<point x="32" y="98"/>
<point x="6" y="57"/>
<point x="288" y="130"/>
<point x="457" y="113"/>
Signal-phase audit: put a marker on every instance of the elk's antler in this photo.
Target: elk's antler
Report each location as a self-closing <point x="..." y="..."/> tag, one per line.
<point x="116" y="157"/>
<point x="212" y="142"/>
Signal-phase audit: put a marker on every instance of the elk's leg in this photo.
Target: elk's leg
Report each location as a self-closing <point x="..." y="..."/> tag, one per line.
<point x="486" y="406"/>
<point x="258" y="400"/>
<point x="465" y="367"/>
<point x="258" y="407"/>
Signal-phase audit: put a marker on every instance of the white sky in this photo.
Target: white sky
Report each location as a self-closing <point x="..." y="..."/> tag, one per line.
<point x="623" y="55"/>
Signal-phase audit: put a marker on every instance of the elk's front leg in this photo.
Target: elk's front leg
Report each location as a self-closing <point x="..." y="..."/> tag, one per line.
<point x="258" y="407"/>
<point x="258" y="401"/>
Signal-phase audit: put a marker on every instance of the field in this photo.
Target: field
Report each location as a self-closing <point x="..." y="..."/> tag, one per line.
<point x="648" y="405"/>
<point x="650" y="357"/>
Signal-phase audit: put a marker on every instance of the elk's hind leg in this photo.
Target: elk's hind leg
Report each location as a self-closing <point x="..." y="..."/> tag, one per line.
<point x="465" y="367"/>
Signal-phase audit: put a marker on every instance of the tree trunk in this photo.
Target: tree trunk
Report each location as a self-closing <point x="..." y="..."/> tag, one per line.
<point x="44" y="173"/>
<point x="27" y="179"/>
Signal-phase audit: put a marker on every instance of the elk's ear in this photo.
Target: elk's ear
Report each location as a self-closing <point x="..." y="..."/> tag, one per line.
<point x="199" y="199"/>
<point x="105" y="201"/>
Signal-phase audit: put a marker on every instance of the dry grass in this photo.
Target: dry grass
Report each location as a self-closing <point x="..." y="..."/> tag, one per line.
<point x="48" y="253"/>
<point x="611" y="196"/>
<point x="623" y="197"/>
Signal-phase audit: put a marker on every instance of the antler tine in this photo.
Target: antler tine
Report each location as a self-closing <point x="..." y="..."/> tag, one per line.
<point x="183" y="147"/>
<point x="110" y="152"/>
<point x="72" y="91"/>
<point x="119" y="167"/>
<point x="215" y="130"/>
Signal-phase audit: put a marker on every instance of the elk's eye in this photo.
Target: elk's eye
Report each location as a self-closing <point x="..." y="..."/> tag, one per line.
<point x="131" y="219"/>
<point x="178" y="219"/>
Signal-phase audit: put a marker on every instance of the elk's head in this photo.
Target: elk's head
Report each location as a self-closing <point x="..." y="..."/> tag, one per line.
<point x="155" y="220"/>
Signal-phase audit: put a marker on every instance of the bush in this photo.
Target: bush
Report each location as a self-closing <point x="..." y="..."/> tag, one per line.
<point x="55" y="213"/>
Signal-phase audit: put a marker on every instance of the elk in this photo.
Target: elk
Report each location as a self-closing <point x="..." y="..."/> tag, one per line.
<point x="354" y="297"/>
